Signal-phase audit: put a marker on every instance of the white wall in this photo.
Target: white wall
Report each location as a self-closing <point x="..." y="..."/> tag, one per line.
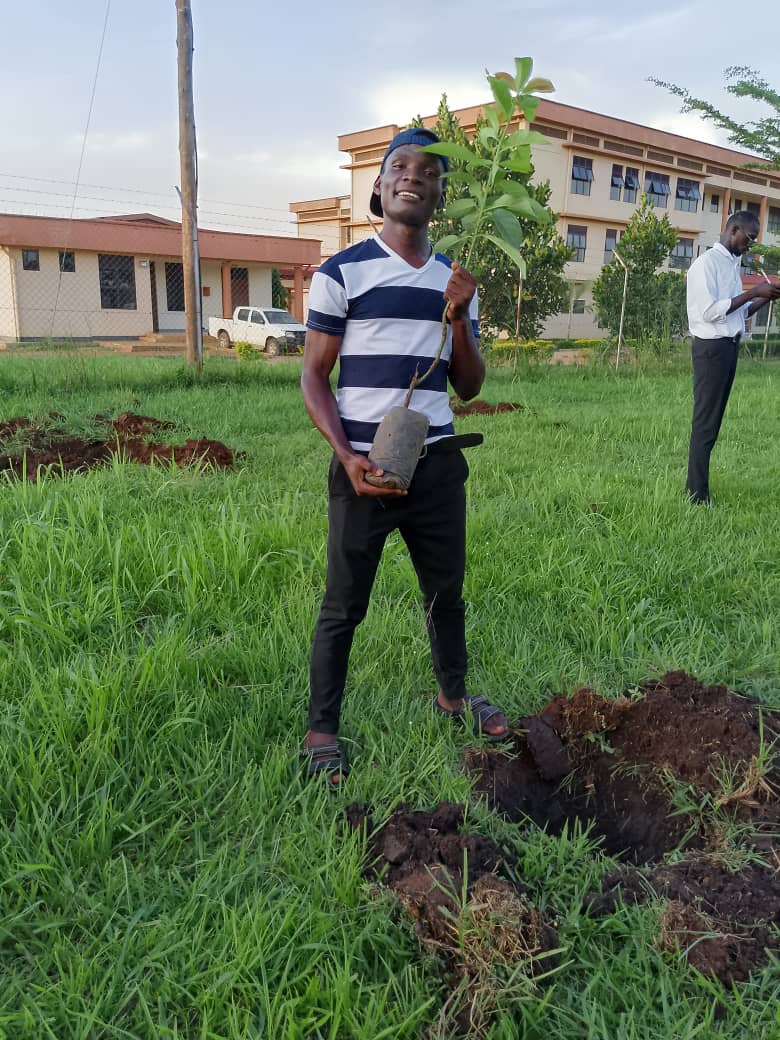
<point x="7" y="302"/>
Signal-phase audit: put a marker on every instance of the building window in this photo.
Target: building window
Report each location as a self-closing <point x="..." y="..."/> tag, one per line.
<point x="239" y="286"/>
<point x="682" y="254"/>
<point x="616" y="184"/>
<point x="773" y="220"/>
<point x="610" y="241"/>
<point x="578" y="307"/>
<point x="755" y="209"/>
<point x="117" y="282"/>
<point x="714" y="203"/>
<point x="687" y="196"/>
<point x="657" y="189"/>
<point x="631" y="184"/>
<point x="576" y="239"/>
<point x="581" y="175"/>
<point x="30" y="260"/>
<point x="736" y="206"/>
<point x="67" y="261"/>
<point x="174" y="286"/>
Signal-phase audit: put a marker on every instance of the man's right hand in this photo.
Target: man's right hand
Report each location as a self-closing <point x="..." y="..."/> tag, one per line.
<point x="766" y="291"/>
<point x="356" y="467"/>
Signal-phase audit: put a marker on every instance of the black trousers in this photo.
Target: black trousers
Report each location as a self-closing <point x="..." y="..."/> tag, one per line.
<point x="431" y="519"/>
<point x="714" y="366"/>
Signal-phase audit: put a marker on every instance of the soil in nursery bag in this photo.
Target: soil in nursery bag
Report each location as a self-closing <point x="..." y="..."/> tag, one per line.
<point x="674" y="765"/>
<point x="455" y="886"/>
<point x="28" y="447"/>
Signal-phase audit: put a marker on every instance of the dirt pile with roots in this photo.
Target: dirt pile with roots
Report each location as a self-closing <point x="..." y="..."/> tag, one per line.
<point x="676" y="765"/>
<point x="450" y="883"/>
<point x="28" y="448"/>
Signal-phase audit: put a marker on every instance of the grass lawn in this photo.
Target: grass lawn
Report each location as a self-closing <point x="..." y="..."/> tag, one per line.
<point x="166" y="872"/>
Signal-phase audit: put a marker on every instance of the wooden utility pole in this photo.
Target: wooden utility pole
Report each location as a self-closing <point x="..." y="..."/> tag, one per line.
<point x="190" y="253"/>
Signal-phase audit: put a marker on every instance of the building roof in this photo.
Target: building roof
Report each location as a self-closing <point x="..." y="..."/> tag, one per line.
<point x="582" y="119"/>
<point x="150" y="235"/>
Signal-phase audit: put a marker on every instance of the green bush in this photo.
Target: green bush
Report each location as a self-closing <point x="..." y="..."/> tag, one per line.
<point x="245" y="351"/>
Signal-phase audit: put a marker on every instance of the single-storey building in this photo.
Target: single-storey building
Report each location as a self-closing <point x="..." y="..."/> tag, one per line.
<point x="121" y="277"/>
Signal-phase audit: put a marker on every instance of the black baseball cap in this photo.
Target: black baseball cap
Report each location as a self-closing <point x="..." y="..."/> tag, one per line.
<point x="412" y="135"/>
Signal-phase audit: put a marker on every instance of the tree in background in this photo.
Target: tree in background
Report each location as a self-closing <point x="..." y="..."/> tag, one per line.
<point x="278" y="291"/>
<point x="655" y="301"/>
<point x="761" y="136"/>
<point x="544" y="289"/>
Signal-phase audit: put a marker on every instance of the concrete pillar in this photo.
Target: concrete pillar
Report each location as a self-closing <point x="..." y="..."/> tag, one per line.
<point x="762" y="218"/>
<point x="227" y="292"/>
<point x="725" y="214"/>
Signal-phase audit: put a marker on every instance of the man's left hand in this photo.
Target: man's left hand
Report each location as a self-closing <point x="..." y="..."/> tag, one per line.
<point x="460" y="292"/>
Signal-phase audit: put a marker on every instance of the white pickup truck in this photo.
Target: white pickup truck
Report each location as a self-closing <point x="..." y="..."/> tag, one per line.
<point x="273" y="330"/>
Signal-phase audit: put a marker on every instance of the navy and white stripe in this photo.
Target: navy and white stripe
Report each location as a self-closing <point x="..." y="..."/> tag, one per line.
<point x="388" y="314"/>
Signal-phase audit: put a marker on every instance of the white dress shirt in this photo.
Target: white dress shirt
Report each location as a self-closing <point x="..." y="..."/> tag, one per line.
<point x="714" y="280"/>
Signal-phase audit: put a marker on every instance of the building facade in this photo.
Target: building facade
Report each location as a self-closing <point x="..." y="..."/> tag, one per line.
<point x="121" y="277"/>
<point x="598" y="167"/>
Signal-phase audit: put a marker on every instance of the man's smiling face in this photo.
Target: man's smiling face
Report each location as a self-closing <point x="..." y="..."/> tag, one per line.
<point x="410" y="185"/>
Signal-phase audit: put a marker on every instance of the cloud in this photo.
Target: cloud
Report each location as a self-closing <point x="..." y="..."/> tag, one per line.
<point x="102" y="143"/>
<point x="689" y="124"/>
<point x="398" y="101"/>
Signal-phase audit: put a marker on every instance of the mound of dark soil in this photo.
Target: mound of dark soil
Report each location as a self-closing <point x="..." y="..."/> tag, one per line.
<point x="721" y="921"/>
<point x="41" y="448"/>
<point x="479" y="928"/>
<point x="625" y="768"/>
<point x="615" y="764"/>
<point x="480" y="407"/>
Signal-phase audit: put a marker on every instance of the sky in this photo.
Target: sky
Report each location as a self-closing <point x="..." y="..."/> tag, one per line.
<point x="86" y="131"/>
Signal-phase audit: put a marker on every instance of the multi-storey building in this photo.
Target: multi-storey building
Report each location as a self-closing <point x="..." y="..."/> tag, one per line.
<point x="598" y="167"/>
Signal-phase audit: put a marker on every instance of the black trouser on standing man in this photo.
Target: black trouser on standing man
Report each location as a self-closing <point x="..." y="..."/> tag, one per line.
<point x="714" y="366"/>
<point x="432" y="521"/>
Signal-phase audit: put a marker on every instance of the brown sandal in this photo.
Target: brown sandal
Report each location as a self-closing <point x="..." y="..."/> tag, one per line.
<point x="482" y="711"/>
<point x="330" y="759"/>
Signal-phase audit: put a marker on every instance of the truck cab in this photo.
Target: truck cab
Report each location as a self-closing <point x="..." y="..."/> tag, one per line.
<point x="271" y="329"/>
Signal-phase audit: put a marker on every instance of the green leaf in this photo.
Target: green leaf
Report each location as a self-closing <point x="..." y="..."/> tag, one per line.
<point x="456" y="151"/>
<point x="528" y="105"/>
<point x="528" y="208"/>
<point x="524" y="68"/>
<point x="513" y="254"/>
<point x="447" y="243"/>
<point x="491" y="116"/>
<point x="525" y="137"/>
<point x="538" y="85"/>
<point x="487" y="135"/>
<point x="511" y="188"/>
<point x="502" y="94"/>
<point x="459" y="208"/>
<point x="508" y="227"/>
<point x="519" y="165"/>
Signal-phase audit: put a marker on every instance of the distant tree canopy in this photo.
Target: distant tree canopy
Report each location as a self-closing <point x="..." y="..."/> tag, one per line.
<point x="761" y="136"/>
<point x="655" y="300"/>
<point x="544" y="290"/>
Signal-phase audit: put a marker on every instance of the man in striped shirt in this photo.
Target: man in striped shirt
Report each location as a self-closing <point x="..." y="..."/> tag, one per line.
<point x="376" y="308"/>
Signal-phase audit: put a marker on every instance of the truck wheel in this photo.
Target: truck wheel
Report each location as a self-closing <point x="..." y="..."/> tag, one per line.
<point x="272" y="346"/>
<point x="224" y="340"/>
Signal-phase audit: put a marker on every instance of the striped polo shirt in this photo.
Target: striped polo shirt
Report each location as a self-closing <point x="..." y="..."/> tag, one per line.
<point x="388" y="314"/>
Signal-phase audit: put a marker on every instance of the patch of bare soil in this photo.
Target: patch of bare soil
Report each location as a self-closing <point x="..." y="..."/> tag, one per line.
<point x="480" y="407"/>
<point x="481" y="924"/>
<point x="723" y="922"/>
<point x="676" y="764"/>
<point x="38" y="448"/>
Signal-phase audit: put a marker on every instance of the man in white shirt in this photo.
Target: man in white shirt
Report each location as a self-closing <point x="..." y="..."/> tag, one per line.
<point x="717" y="308"/>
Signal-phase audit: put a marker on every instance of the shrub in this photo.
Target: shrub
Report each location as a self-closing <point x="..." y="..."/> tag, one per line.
<point x="245" y="351"/>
